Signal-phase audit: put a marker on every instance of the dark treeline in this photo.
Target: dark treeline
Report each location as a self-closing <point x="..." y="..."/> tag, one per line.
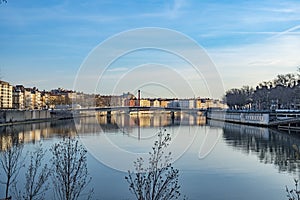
<point x="283" y="92"/>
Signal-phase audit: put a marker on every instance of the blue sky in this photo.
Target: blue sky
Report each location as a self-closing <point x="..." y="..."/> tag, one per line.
<point x="44" y="43"/>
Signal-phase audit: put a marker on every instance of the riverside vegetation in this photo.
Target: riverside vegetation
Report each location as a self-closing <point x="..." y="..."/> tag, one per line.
<point x="68" y="175"/>
<point x="283" y="92"/>
<point x="67" y="172"/>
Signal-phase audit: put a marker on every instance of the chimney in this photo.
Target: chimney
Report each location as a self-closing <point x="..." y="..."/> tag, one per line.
<point x="139" y="97"/>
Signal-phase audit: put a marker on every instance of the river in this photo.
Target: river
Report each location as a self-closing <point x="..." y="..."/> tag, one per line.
<point x="215" y="160"/>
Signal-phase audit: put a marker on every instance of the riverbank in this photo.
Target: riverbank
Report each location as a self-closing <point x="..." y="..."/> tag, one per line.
<point x="12" y="117"/>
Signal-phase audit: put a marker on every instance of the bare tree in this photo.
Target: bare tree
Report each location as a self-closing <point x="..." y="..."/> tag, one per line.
<point x="293" y="194"/>
<point x="11" y="163"/>
<point x="159" y="180"/>
<point x="70" y="173"/>
<point x="36" y="177"/>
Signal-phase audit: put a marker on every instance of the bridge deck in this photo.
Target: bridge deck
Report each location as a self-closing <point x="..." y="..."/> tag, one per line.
<point x="140" y="108"/>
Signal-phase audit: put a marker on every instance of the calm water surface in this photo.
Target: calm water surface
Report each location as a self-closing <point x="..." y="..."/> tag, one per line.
<point x="216" y="160"/>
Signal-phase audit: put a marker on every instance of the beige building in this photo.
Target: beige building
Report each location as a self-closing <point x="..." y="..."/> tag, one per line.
<point x="36" y="97"/>
<point x="164" y="103"/>
<point x="210" y="103"/>
<point x="45" y="99"/>
<point x="156" y="103"/>
<point x="6" y="95"/>
<point x="145" y="103"/>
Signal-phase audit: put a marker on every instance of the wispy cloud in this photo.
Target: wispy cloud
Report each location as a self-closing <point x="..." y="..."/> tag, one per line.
<point x="250" y="64"/>
<point x="119" y="69"/>
<point x="171" y="10"/>
<point x="249" y="41"/>
<point x="288" y="32"/>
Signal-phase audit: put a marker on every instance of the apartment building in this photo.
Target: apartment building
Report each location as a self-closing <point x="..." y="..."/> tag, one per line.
<point x="6" y="95"/>
<point x="18" y="97"/>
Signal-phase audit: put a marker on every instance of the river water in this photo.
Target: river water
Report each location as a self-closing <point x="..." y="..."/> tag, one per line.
<point x="215" y="160"/>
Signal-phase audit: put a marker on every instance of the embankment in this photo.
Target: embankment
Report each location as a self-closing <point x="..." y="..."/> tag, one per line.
<point x="9" y="117"/>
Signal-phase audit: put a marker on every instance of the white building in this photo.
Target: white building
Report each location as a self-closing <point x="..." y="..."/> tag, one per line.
<point x="184" y="103"/>
<point x="36" y="96"/>
<point x="156" y="103"/>
<point x="192" y="103"/>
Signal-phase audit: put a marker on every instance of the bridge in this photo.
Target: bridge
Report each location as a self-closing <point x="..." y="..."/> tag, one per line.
<point x="278" y="119"/>
<point x="141" y="108"/>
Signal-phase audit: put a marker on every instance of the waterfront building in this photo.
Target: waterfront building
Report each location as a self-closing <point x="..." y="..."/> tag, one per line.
<point x="164" y="103"/>
<point x="173" y="104"/>
<point x="18" y="97"/>
<point x="116" y="100"/>
<point x="129" y="102"/>
<point x="184" y="103"/>
<point x="192" y="103"/>
<point x="6" y="95"/>
<point x="145" y="103"/>
<point x="28" y="99"/>
<point x="36" y="98"/>
<point x="156" y="103"/>
<point x="200" y="104"/>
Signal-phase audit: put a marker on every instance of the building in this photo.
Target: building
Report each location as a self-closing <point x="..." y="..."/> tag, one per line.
<point x="210" y="103"/>
<point x="164" y="103"/>
<point x="28" y="99"/>
<point x="145" y="103"/>
<point x="156" y="103"/>
<point x="173" y="104"/>
<point x="18" y="97"/>
<point x="192" y="103"/>
<point x="6" y="97"/>
<point x="36" y="96"/>
<point x="45" y="99"/>
<point x="184" y="103"/>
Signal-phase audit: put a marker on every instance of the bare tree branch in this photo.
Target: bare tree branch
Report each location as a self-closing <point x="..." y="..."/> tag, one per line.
<point x="70" y="173"/>
<point x="36" y="177"/>
<point x="159" y="180"/>
<point x="11" y="164"/>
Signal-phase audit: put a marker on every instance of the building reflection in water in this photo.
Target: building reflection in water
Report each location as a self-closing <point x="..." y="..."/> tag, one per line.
<point x="151" y="119"/>
<point x="270" y="146"/>
<point x="32" y="133"/>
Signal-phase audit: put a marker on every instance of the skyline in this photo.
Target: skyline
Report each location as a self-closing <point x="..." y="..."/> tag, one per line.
<point x="43" y="44"/>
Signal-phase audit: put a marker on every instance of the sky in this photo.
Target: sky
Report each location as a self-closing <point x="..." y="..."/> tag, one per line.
<point x="46" y="44"/>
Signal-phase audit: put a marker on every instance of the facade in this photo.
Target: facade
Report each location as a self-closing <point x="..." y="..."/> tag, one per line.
<point x="156" y="103"/>
<point x="184" y="103"/>
<point x="18" y="97"/>
<point x="36" y="95"/>
<point x="145" y="103"/>
<point x="6" y="97"/>
<point x="164" y="103"/>
<point x="45" y="102"/>
<point x="192" y="103"/>
<point x="28" y="99"/>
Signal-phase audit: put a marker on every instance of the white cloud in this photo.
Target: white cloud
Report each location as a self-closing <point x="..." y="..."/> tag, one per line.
<point x="119" y="69"/>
